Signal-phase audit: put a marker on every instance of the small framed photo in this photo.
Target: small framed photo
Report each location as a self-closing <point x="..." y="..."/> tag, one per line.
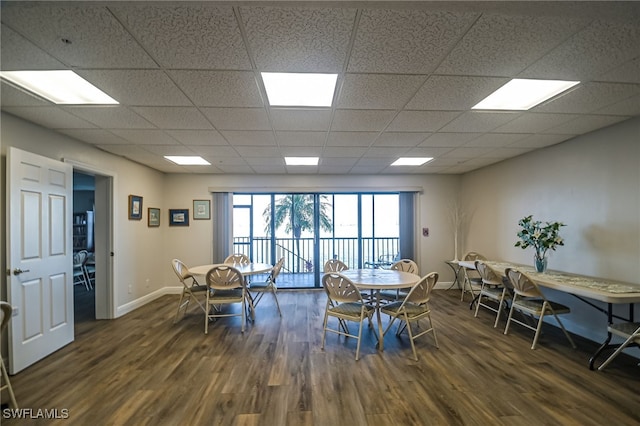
<point x="135" y="207"/>
<point x="153" y="217"/>
<point x="201" y="209"/>
<point x="178" y="217"/>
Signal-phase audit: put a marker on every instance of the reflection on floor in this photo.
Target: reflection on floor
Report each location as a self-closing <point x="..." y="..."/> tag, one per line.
<point x="84" y="304"/>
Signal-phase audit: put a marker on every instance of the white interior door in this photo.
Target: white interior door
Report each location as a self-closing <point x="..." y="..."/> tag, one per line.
<point x="39" y="256"/>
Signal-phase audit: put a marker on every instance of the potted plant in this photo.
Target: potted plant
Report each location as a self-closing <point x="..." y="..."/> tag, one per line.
<point x="542" y="237"/>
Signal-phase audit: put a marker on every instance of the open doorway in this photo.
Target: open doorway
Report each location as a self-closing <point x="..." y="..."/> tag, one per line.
<point x="84" y="248"/>
<point x="98" y="185"/>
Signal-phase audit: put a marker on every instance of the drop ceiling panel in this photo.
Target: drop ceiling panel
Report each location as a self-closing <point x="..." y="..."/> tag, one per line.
<point x="351" y="138"/>
<point x="613" y="45"/>
<point x="400" y="139"/>
<point x="341" y="151"/>
<point x="187" y="36"/>
<point x="219" y="88"/>
<point x="18" y="53"/>
<point x="50" y="116"/>
<point x="454" y="92"/>
<point x="540" y="141"/>
<point x="174" y="117"/>
<point x="473" y="121"/>
<point x="378" y="91"/>
<point x="85" y="27"/>
<point x="629" y="72"/>
<point x="309" y="139"/>
<point x="302" y="119"/>
<point x="507" y="44"/>
<point x="585" y="123"/>
<point x="421" y="121"/>
<point x="361" y="120"/>
<point x="95" y="136"/>
<point x="145" y="137"/>
<point x="589" y="97"/>
<point x="247" y="137"/>
<point x="197" y="137"/>
<point x="11" y="96"/>
<point x="533" y="122"/>
<point x="137" y="87"/>
<point x="110" y="117"/>
<point x="449" y="139"/>
<point x="629" y="107"/>
<point x="238" y="118"/>
<point x="406" y="41"/>
<point x="298" y="40"/>
<point x="258" y="151"/>
<point x="495" y="140"/>
<point x="221" y="151"/>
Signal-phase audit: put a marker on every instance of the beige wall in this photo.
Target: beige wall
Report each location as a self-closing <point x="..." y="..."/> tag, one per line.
<point x="591" y="183"/>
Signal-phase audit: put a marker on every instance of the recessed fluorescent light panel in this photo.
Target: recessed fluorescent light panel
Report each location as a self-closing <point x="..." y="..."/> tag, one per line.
<point x="187" y="160"/>
<point x="299" y="89"/>
<point x="411" y="161"/>
<point x="59" y="87"/>
<point x="523" y="94"/>
<point x="301" y="161"/>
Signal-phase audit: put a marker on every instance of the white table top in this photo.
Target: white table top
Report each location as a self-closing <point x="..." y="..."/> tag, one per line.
<point x="593" y="288"/>
<point x="245" y="269"/>
<point x="376" y="279"/>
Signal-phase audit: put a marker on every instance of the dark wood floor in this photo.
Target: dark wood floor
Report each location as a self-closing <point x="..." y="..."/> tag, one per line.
<point x="142" y="369"/>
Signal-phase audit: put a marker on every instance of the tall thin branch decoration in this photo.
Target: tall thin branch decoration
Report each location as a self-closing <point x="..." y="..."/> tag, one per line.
<point x="457" y="218"/>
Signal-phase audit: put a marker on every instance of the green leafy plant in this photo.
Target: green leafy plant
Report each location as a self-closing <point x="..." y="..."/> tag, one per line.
<point x="542" y="237"/>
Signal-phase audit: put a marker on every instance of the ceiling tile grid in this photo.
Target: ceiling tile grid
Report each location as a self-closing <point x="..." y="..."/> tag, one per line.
<point x="187" y="77"/>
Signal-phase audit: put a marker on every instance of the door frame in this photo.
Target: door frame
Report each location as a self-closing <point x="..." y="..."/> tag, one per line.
<point x="105" y="182"/>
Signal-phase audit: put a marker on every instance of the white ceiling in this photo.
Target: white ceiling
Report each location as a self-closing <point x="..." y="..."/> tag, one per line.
<point x="187" y="76"/>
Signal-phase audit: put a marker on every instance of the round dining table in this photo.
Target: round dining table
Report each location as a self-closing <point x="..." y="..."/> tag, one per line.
<point x="380" y="279"/>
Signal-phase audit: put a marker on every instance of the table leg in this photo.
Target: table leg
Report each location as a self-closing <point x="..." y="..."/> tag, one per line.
<point x="380" y="334"/>
<point x="605" y="344"/>
<point x="456" y="273"/>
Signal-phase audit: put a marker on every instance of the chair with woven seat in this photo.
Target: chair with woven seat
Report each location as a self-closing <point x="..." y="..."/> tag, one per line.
<point x="226" y="286"/>
<point x="335" y="265"/>
<point x="268" y="286"/>
<point x="630" y="331"/>
<point x="345" y="303"/>
<point x="493" y="288"/>
<point x="413" y="308"/>
<point x="192" y="290"/>
<point x="238" y="259"/>
<point x="471" y="277"/>
<point x="404" y="265"/>
<point x="6" y="310"/>
<point x="529" y="300"/>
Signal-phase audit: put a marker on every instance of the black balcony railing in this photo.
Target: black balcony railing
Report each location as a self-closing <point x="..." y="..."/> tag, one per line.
<point x="299" y="253"/>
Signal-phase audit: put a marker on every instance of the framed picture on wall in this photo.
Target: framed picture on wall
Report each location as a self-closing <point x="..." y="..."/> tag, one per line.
<point x="153" y="217"/>
<point x="178" y="217"/>
<point x="201" y="209"/>
<point x="135" y="207"/>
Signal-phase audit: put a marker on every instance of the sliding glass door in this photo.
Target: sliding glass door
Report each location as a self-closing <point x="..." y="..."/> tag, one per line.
<point x="308" y="229"/>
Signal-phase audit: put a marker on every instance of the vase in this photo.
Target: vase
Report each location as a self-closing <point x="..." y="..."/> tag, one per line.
<point x="540" y="263"/>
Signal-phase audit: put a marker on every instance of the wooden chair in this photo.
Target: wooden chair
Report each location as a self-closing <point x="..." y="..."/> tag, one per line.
<point x="492" y="288"/>
<point x="190" y="291"/>
<point x="345" y="303"/>
<point x="226" y="286"/>
<point x="529" y="300"/>
<point x="6" y="310"/>
<point x="630" y="331"/>
<point x="413" y="308"/>
<point x="268" y="286"/>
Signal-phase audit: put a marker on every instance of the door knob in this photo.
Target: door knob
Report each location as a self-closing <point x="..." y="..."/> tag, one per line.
<point x="18" y="271"/>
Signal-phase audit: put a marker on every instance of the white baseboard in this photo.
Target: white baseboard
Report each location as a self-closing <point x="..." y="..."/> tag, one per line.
<point x="135" y="304"/>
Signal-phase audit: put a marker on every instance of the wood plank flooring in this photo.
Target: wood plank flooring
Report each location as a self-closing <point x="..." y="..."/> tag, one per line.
<point x="142" y="369"/>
